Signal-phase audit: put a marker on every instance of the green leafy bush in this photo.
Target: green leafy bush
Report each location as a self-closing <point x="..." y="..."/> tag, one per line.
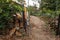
<point x="7" y="8"/>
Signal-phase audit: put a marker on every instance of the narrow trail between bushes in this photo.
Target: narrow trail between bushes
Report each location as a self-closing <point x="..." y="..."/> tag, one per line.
<point x="38" y="31"/>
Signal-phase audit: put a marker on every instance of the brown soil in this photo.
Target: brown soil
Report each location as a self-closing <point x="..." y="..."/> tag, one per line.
<point x="38" y="31"/>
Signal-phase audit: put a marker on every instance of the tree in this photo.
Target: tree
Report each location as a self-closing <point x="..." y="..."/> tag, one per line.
<point x="7" y="8"/>
<point x="58" y="8"/>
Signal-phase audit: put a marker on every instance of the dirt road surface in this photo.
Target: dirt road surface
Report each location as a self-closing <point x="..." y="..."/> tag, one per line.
<point x="38" y="31"/>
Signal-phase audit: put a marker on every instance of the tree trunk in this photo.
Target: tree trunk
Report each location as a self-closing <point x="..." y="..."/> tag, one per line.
<point x="58" y="28"/>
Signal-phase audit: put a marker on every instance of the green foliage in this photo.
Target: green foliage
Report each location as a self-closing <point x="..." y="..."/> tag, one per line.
<point x="7" y="8"/>
<point x="33" y="11"/>
<point x="50" y="8"/>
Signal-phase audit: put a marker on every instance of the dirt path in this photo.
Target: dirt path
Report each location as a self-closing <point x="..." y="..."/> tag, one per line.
<point x="39" y="30"/>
